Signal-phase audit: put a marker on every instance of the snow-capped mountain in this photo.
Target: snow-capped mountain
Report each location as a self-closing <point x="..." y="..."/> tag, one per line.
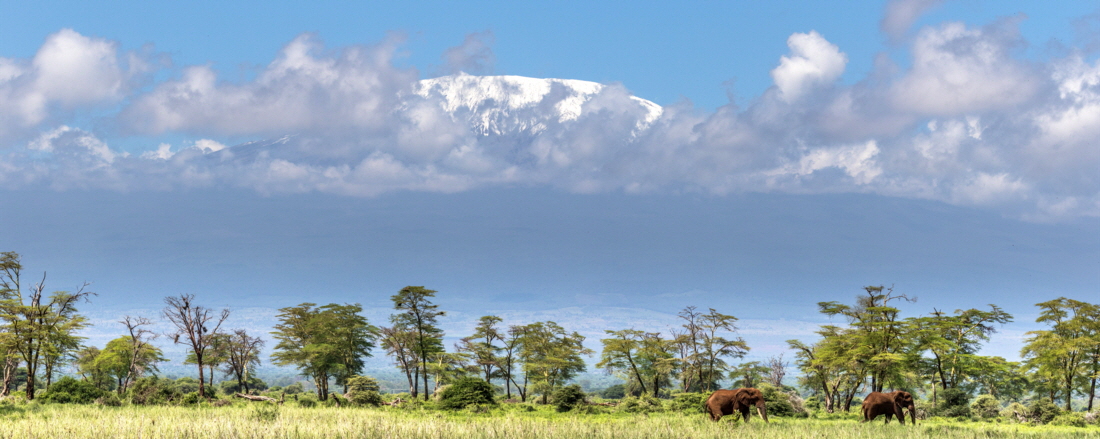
<point x="502" y="105"/>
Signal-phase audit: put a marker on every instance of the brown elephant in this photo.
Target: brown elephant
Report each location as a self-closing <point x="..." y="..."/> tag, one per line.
<point x="726" y="402"/>
<point x="889" y="404"/>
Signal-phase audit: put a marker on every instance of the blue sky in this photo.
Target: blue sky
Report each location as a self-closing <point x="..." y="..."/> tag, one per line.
<point x="950" y="148"/>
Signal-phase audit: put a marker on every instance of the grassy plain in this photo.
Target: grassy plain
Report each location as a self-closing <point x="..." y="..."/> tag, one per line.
<point x="34" y="421"/>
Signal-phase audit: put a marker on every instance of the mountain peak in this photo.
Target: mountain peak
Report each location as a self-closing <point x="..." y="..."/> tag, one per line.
<point x="504" y="104"/>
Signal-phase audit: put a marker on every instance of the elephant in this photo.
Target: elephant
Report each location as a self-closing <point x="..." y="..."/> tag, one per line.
<point x="889" y="404"/>
<point x="726" y="402"/>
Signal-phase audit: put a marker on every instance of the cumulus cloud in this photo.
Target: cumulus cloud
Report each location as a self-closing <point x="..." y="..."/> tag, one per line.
<point x="474" y="56"/>
<point x="968" y="123"/>
<point x="303" y="89"/>
<point x="901" y="14"/>
<point x="813" y="61"/>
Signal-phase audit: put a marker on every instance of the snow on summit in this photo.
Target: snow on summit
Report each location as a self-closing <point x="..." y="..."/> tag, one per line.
<point x="509" y="104"/>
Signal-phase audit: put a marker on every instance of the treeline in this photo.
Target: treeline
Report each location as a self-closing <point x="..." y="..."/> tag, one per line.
<point x="876" y="349"/>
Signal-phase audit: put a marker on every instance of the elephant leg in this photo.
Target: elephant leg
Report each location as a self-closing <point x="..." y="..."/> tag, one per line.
<point x="888" y="417"/>
<point x="745" y="414"/>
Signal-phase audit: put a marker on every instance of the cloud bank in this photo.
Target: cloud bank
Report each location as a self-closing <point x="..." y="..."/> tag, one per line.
<point x="969" y="122"/>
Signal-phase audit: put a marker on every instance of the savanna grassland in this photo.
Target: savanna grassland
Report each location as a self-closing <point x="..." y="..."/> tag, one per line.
<point x="261" y="420"/>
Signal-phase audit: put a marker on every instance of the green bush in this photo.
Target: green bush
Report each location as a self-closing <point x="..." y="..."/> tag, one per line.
<point x="294" y="389"/>
<point x="986" y="407"/>
<point x="689" y="403"/>
<point x="152" y="391"/>
<point x="640" y="404"/>
<point x="72" y="391"/>
<point x="466" y="391"/>
<point x="109" y="400"/>
<point x="617" y="391"/>
<point x="776" y="402"/>
<point x="568" y="397"/>
<point x="1013" y="410"/>
<point x="230" y="387"/>
<point x="1070" y="419"/>
<point x="953" y="403"/>
<point x="191" y="398"/>
<point x="364" y="390"/>
<point x="307" y="401"/>
<point x="1042" y="411"/>
<point x="186" y="385"/>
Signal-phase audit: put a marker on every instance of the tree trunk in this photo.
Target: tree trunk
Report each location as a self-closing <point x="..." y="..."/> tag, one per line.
<point x="425" y="376"/>
<point x="202" y="382"/>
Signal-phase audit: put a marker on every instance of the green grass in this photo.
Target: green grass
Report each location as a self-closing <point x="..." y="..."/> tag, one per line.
<point x="260" y="421"/>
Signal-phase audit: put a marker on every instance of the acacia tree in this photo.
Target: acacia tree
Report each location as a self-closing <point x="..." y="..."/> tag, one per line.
<point x="419" y="315"/>
<point x="399" y="341"/>
<point x="643" y="357"/>
<point x="140" y="347"/>
<point x="196" y="327"/>
<point x="481" y="346"/>
<point x="551" y="356"/>
<point x="879" y="332"/>
<point x="704" y="347"/>
<point x="748" y="374"/>
<point x="120" y="361"/>
<point x="38" y="327"/>
<point x="242" y="354"/>
<point x="1062" y="354"/>
<point x="954" y="340"/>
<point x="324" y="342"/>
<point x="509" y="360"/>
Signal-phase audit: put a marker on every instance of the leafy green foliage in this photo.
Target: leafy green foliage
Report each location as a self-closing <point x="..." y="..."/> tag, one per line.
<point x="690" y="403"/>
<point x="953" y="403"/>
<point x="986" y="406"/>
<point x="1070" y="419"/>
<point x="73" y="391"/>
<point x="616" y="391"/>
<point x="364" y="390"/>
<point x="568" y="397"/>
<point x="465" y="392"/>
<point x="777" y="402"/>
<point x="152" y="391"/>
<point x="1042" y="411"/>
<point x="323" y="342"/>
<point x="640" y="404"/>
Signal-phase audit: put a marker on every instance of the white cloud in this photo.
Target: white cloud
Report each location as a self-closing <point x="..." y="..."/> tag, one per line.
<point x="901" y="14"/>
<point x="969" y="124"/>
<point x="959" y="70"/>
<point x="813" y="61"/>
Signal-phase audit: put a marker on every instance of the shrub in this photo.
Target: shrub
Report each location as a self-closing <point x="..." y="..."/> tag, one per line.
<point x="109" y="400"/>
<point x="1042" y="411"/>
<point x="191" y="398"/>
<point x="617" y="391"/>
<point x="953" y="403"/>
<point x="776" y="402"/>
<point x="640" y="404"/>
<point x="294" y="389"/>
<point x="1070" y="419"/>
<point x="466" y="391"/>
<point x="307" y="401"/>
<point x="986" y="407"/>
<point x="230" y="387"/>
<point x="151" y="390"/>
<point x="363" y="390"/>
<point x="1014" y="411"/>
<point x="71" y="390"/>
<point x="186" y="385"/>
<point x="689" y="403"/>
<point x="568" y="397"/>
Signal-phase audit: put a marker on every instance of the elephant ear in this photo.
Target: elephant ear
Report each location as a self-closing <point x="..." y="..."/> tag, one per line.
<point x="899" y="397"/>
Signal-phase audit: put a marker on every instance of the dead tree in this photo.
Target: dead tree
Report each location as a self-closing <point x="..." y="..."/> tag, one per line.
<point x="193" y="328"/>
<point x="139" y="341"/>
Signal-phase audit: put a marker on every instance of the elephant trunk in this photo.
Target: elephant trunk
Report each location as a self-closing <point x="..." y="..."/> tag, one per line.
<point x="762" y="411"/>
<point x="912" y="414"/>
